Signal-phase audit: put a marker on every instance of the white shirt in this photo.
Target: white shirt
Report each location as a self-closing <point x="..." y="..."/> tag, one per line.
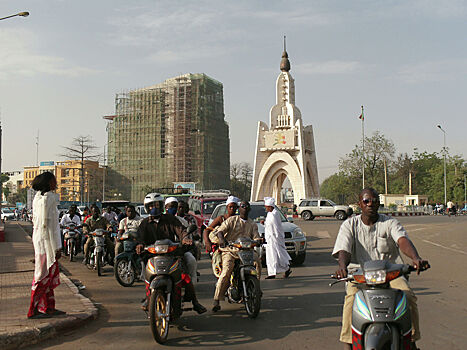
<point x="367" y="243"/>
<point x="66" y="220"/>
<point x="110" y="216"/>
<point x="130" y="224"/>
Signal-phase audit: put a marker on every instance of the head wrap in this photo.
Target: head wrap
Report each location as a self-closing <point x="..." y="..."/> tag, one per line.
<point x="232" y="199"/>
<point x="170" y="200"/>
<point x="268" y="201"/>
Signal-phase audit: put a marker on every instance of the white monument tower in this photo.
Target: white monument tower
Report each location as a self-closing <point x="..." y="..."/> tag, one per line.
<point x="285" y="148"/>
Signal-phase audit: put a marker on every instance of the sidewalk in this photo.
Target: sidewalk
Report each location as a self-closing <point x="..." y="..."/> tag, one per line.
<point x="16" y="274"/>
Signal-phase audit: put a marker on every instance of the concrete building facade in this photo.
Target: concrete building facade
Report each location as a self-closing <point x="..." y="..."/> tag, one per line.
<point x="173" y="132"/>
<point x="69" y="179"/>
<point x="285" y="148"/>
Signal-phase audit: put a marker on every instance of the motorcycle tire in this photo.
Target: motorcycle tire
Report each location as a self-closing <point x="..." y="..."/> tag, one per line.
<point x="253" y="291"/>
<point x="159" y="324"/>
<point x="98" y="261"/>
<point x="71" y="247"/>
<point x="124" y="277"/>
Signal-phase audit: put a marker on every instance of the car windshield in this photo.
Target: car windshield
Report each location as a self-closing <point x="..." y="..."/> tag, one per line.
<point x="258" y="213"/>
<point x="7" y="211"/>
<point x="209" y="206"/>
<point x="331" y="202"/>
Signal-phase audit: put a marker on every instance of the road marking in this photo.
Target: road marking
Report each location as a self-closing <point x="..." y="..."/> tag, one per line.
<point x="442" y="246"/>
<point x="322" y="234"/>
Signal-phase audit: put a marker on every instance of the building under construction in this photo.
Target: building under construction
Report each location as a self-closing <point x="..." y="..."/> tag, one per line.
<point x="173" y="132"/>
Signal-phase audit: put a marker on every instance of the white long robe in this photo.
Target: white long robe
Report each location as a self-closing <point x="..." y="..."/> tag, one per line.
<point x="46" y="233"/>
<point x="277" y="258"/>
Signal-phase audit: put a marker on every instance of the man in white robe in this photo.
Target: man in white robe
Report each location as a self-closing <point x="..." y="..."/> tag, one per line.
<point x="277" y="258"/>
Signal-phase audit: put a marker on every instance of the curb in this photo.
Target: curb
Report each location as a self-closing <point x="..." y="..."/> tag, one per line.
<point x="33" y="335"/>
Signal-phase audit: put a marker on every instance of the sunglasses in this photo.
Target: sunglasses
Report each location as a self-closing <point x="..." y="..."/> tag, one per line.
<point x="368" y="200"/>
<point x="244" y="206"/>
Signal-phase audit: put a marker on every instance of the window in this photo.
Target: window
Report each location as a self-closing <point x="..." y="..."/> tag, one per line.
<point x="313" y="203"/>
<point x="325" y="204"/>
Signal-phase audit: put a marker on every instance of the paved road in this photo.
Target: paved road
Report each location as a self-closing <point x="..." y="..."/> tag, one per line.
<point x="301" y="312"/>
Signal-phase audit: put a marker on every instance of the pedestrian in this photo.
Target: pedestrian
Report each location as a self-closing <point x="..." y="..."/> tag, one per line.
<point x="47" y="248"/>
<point x="277" y="258"/>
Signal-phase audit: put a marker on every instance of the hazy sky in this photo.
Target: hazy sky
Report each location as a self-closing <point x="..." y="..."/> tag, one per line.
<point x="405" y="61"/>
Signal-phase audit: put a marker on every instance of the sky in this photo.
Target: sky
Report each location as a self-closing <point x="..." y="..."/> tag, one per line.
<point x="405" y="61"/>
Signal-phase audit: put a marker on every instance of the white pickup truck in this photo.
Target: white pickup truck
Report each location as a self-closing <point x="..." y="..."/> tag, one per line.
<point x="313" y="207"/>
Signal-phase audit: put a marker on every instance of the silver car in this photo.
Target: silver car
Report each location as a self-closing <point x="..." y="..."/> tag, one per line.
<point x="295" y="240"/>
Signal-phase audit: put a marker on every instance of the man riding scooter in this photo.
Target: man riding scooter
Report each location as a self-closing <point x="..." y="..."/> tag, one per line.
<point x="71" y="218"/>
<point x="161" y="226"/>
<point x="95" y="222"/>
<point x="372" y="236"/>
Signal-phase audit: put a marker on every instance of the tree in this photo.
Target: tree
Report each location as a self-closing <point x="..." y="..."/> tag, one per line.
<point x="82" y="148"/>
<point x="378" y="149"/>
<point x="240" y="179"/>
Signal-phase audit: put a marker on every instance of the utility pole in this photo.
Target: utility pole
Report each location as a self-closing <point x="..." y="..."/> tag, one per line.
<point x="37" y="148"/>
<point x="444" y="152"/>
<point x="385" y="177"/>
<point x="363" y="149"/>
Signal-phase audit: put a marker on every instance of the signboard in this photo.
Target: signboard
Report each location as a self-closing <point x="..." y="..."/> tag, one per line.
<point x="49" y="163"/>
<point x="190" y="186"/>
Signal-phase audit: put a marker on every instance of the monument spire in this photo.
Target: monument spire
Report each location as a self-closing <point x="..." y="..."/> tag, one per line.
<point x="285" y="63"/>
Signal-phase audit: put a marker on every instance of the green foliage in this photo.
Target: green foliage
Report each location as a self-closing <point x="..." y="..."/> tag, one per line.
<point x="426" y="169"/>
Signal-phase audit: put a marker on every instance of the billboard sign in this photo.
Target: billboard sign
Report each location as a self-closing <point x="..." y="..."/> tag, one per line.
<point x="49" y="163"/>
<point x="190" y="186"/>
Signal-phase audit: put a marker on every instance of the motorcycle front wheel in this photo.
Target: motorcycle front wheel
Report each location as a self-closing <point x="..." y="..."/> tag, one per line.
<point x="158" y="319"/>
<point x="98" y="260"/>
<point x="253" y="292"/>
<point x="124" y="273"/>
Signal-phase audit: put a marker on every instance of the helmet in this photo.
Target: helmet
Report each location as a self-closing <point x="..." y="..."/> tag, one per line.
<point x="152" y="198"/>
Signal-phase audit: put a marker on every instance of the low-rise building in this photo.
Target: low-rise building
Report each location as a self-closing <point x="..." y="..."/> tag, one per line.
<point x="69" y="179"/>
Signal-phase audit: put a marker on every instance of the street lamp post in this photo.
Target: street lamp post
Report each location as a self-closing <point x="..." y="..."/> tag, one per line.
<point x="444" y="152"/>
<point x="21" y="14"/>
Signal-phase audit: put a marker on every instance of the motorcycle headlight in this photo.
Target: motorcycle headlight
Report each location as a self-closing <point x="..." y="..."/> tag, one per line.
<point x="298" y="232"/>
<point x="375" y="277"/>
<point x="161" y="248"/>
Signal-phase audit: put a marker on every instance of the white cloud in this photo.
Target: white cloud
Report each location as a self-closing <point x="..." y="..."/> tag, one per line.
<point x="432" y="71"/>
<point x="18" y="57"/>
<point x="327" y="67"/>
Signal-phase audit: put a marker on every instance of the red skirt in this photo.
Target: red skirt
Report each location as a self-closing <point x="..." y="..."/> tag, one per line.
<point x="42" y="292"/>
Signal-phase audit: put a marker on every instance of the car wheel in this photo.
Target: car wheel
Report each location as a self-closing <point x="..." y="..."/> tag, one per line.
<point x="307" y="215"/>
<point x="299" y="259"/>
<point x="340" y="215"/>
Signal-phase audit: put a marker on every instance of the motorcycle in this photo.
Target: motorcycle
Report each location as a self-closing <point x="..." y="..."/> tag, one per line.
<point x="128" y="265"/>
<point x="244" y="286"/>
<point x="71" y="236"/>
<point x="98" y="256"/>
<point x="380" y="315"/>
<point x="164" y="273"/>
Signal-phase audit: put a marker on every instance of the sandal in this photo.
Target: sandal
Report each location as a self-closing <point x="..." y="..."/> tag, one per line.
<point x="39" y="315"/>
<point x="200" y="309"/>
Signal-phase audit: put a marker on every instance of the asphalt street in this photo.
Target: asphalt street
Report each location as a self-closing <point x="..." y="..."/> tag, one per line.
<point x="301" y="312"/>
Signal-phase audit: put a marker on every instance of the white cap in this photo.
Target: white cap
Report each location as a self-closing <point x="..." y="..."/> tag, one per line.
<point x="269" y="202"/>
<point x="232" y="199"/>
<point x="170" y="200"/>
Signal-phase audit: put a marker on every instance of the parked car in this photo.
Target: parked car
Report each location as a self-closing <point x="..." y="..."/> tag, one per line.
<point x="313" y="207"/>
<point x="295" y="240"/>
<point x="7" y="214"/>
<point x="202" y="205"/>
<point x="141" y="210"/>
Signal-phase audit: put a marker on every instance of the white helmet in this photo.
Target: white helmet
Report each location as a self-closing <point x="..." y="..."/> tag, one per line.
<point x="152" y="198"/>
